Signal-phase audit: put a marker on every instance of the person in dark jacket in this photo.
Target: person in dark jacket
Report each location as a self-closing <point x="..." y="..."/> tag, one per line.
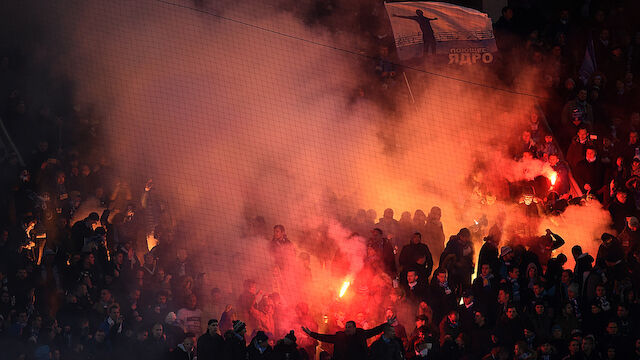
<point x="388" y="346"/>
<point x="259" y="348"/>
<point x="589" y="173"/>
<point x="609" y="252"/>
<point x="489" y="254"/>
<point x="510" y="328"/>
<point x="413" y="251"/>
<point x="462" y="266"/>
<point x="156" y="345"/>
<point x="235" y="345"/>
<point x="620" y="208"/>
<point x="545" y="245"/>
<point x="384" y="249"/>
<point x="350" y="344"/>
<point x="441" y="296"/>
<point x="185" y="350"/>
<point x="83" y="229"/>
<point x="414" y="287"/>
<point x="211" y="343"/>
<point x="287" y="349"/>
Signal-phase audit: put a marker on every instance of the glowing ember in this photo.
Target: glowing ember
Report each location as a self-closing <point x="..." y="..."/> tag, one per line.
<point x="343" y="289"/>
<point x="553" y="177"/>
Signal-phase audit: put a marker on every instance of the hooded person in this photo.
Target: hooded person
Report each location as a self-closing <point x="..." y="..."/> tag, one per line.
<point x="259" y="348"/>
<point x="235" y="344"/>
<point x="287" y="348"/>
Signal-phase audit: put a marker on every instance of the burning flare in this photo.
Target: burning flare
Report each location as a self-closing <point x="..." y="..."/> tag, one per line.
<point x="553" y="176"/>
<point x="343" y="289"/>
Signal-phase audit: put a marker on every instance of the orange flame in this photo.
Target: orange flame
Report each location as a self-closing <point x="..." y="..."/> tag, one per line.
<point x="343" y="289"/>
<point x="553" y="177"/>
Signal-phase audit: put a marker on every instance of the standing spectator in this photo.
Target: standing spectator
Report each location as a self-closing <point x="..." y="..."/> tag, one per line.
<point x="387" y="347"/>
<point x="286" y="348"/>
<point x="155" y="347"/>
<point x="412" y="252"/>
<point x="460" y="248"/>
<point x="259" y="348"/>
<point x="234" y="342"/>
<point x="441" y="297"/>
<point x="210" y="344"/>
<point x="578" y="148"/>
<point x="589" y="173"/>
<point x="350" y="344"/>
<point x="184" y="350"/>
<point x="390" y="227"/>
<point x="190" y="317"/>
<point x="434" y="233"/>
<point x="82" y="230"/>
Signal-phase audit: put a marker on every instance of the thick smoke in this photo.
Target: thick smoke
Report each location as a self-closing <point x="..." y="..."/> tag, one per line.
<point x="234" y="122"/>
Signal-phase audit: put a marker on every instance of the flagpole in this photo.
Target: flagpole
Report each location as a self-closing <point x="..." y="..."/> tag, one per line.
<point x="406" y="81"/>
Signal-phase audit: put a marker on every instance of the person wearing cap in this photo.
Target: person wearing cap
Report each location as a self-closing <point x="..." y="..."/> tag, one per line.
<point x="489" y="254"/>
<point x="235" y="346"/>
<point x="211" y="343"/>
<point x="259" y="347"/>
<point x="506" y="256"/>
<point x="467" y="310"/>
<point x="287" y="348"/>
<point x="350" y="344"/>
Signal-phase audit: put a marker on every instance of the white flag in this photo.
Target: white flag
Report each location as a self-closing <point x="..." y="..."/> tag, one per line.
<point x="428" y="28"/>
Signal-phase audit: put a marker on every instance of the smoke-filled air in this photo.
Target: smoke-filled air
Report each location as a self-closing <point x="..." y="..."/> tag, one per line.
<point x="268" y="148"/>
<point x="260" y="117"/>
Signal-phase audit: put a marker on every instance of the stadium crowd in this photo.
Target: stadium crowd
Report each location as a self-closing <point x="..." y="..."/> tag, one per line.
<point x="88" y="289"/>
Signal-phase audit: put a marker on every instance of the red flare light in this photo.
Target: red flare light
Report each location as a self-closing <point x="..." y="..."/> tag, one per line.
<point x="343" y="289"/>
<point x="553" y="177"/>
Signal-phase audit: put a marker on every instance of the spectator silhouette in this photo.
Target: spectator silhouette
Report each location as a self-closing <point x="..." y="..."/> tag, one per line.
<point x="427" y="31"/>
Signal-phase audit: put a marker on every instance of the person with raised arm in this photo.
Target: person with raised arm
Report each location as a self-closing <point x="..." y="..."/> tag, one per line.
<point x="350" y="344"/>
